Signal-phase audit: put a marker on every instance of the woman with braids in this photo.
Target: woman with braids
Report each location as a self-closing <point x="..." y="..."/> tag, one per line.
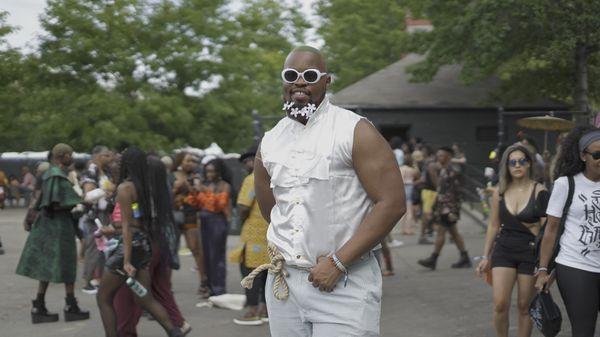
<point x="187" y="215"/>
<point x="132" y="256"/>
<point x="164" y="259"/>
<point x="518" y="208"/>
<point x="575" y="228"/>
<point x="213" y="200"/>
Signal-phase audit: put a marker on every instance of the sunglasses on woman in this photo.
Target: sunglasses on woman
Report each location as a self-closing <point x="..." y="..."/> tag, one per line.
<point x="310" y="76"/>
<point x="514" y="162"/>
<point x="595" y="155"/>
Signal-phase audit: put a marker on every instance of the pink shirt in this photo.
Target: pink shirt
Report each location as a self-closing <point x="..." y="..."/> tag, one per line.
<point x="116" y="214"/>
<point x="29" y="181"/>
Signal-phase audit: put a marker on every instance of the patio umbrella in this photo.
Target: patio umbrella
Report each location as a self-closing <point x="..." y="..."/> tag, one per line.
<point x="546" y="123"/>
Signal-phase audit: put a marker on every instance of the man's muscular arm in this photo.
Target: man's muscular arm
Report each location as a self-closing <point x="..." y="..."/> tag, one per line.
<point x="262" y="186"/>
<point x="378" y="172"/>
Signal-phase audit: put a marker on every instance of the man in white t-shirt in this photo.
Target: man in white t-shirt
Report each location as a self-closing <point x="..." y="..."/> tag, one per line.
<point x="331" y="189"/>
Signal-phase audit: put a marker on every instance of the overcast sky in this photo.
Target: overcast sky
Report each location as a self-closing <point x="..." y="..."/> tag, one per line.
<point x="25" y="15"/>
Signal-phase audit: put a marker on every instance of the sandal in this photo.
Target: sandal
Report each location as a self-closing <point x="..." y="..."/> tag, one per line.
<point x="203" y="290"/>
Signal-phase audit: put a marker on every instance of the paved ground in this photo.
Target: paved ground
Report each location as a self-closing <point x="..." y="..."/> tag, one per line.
<point x="416" y="302"/>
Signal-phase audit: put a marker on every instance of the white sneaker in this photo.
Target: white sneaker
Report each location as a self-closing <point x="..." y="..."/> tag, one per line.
<point x="395" y="244"/>
<point x="90" y="289"/>
<point x="255" y="320"/>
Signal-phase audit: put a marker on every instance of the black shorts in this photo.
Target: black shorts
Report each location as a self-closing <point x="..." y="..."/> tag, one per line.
<point x="446" y="220"/>
<point x="515" y="253"/>
<point x="141" y="253"/>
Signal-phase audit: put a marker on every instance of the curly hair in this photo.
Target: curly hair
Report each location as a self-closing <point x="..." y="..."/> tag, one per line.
<point x="569" y="162"/>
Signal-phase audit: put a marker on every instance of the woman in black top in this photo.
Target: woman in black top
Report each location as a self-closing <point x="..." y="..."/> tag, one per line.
<point x="518" y="207"/>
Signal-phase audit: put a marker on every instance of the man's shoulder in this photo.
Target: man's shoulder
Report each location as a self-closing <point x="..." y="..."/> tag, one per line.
<point x="249" y="179"/>
<point x="345" y="114"/>
<point x="53" y="171"/>
<point x="278" y="130"/>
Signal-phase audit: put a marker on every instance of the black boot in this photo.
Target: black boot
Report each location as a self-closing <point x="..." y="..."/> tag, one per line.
<point x="39" y="313"/>
<point x="73" y="312"/>
<point x="429" y="262"/>
<point x="464" y="261"/>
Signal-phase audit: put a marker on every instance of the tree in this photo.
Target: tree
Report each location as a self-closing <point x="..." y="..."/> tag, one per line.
<point x="254" y="44"/>
<point x="158" y="74"/>
<point x="536" y="47"/>
<point x="116" y="72"/>
<point x="361" y="37"/>
<point x="11" y="88"/>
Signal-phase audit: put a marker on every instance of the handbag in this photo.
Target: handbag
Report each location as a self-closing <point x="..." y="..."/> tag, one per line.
<point x="545" y="314"/>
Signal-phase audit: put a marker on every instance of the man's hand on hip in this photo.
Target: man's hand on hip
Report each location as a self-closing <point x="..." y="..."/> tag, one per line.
<point x="324" y="275"/>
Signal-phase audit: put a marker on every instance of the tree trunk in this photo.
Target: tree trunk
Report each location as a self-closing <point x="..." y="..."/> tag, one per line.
<point x="581" y="83"/>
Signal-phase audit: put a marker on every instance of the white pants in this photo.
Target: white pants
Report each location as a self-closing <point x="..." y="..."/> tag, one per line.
<point x="353" y="310"/>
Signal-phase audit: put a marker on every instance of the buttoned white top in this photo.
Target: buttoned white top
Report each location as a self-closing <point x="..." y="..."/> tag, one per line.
<point x="319" y="201"/>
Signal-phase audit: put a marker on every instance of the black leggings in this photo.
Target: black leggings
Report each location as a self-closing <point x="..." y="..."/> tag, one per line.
<point x="580" y="291"/>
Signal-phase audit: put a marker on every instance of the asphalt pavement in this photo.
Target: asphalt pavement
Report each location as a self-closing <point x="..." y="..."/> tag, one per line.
<point x="416" y="302"/>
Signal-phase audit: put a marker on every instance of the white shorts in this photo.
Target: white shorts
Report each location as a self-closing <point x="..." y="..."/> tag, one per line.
<point x="353" y="310"/>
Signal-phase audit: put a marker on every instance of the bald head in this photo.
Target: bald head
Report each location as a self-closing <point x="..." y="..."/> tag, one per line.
<point x="312" y="57"/>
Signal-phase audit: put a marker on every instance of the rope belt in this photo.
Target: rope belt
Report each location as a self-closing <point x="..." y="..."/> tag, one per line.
<point x="276" y="268"/>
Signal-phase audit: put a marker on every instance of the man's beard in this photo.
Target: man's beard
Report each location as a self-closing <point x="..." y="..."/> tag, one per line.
<point x="297" y="110"/>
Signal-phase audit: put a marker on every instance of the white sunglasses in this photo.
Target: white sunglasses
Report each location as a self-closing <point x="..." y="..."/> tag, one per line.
<point x="310" y="76"/>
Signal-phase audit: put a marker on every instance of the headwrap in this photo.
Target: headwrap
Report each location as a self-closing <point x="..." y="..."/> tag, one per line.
<point x="60" y="150"/>
<point x="588" y="139"/>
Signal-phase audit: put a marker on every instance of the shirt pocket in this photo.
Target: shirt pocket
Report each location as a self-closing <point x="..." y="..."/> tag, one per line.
<point x="297" y="168"/>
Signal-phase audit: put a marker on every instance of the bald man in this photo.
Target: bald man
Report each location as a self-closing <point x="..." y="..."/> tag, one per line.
<point x="331" y="189"/>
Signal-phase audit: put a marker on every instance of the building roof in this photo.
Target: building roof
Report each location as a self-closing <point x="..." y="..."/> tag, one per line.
<point x="390" y="88"/>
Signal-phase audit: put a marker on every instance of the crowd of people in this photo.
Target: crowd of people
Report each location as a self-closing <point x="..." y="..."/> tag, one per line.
<point x="128" y="210"/>
<point x="432" y="180"/>
<point x="13" y="188"/>
<point x="323" y="192"/>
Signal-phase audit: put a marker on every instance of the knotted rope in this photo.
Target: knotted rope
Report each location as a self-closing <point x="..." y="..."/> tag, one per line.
<point x="276" y="267"/>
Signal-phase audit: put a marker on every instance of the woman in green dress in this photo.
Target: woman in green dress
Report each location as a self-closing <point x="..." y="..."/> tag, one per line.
<point x="50" y="253"/>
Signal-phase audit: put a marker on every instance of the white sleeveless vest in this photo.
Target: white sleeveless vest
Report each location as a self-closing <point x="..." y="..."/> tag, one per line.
<point x="319" y="199"/>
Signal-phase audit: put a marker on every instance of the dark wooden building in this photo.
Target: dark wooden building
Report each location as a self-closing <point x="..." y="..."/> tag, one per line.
<point x="442" y="111"/>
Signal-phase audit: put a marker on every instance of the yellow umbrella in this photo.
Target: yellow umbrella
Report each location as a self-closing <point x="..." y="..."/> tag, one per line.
<point x="546" y="123"/>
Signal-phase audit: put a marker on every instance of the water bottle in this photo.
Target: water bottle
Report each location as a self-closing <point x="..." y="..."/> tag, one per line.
<point x="136" y="287"/>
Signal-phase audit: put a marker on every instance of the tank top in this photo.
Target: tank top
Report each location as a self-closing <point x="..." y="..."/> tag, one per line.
<point x="512" y="224"/>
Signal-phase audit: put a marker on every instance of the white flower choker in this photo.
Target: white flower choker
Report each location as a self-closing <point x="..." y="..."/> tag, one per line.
<point x="306" y="111"/>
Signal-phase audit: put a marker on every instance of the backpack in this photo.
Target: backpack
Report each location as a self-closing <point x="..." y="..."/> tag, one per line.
<point x="561" y="229"/>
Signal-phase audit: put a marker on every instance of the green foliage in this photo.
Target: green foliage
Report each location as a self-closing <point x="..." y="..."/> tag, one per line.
<point x="361" y="37"/>
<point x="530" y="45"/>
<point x="137" y="71"/>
